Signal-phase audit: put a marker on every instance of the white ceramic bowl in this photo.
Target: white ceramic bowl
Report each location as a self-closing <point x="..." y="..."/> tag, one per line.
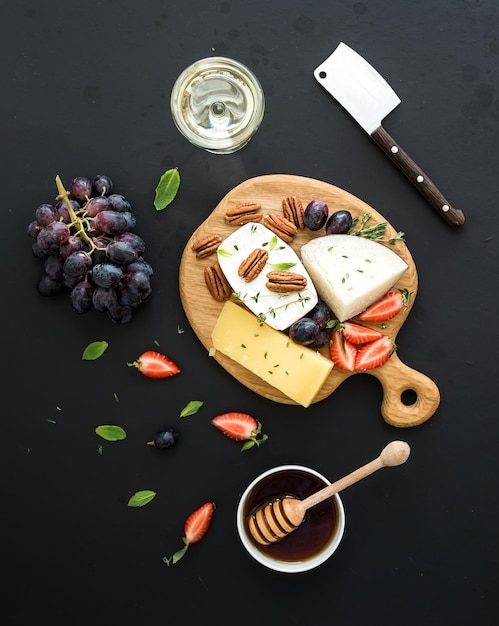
<point x="306" y="562"/>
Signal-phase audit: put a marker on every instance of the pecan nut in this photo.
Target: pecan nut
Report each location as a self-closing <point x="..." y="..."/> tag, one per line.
<point x="293" y="211"/>
<point x="217" y="283"/>
<point x="253" y="264"/>
<point x="205" y="246"/>
<point x="284" y="282"/>
<point x="243" y="213"/>
<point x="280" y="226"/>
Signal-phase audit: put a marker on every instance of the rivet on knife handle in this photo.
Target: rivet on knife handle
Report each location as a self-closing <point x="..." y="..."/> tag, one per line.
<point x="366" y="95"/>
<point x="418" y="178"/>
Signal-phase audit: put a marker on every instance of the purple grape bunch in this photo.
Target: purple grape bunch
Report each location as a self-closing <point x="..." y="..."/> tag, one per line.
<point x="87" y="244"/>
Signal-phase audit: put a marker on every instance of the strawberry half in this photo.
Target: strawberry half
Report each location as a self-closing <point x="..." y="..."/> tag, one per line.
<point x="241" y="427"/>
<point x="155" y="365"/>
<point x="342" y="351"/>
<point x="390" y="305"/>
<point x="359" y="334"/>
<point x="197" y="524"/>
<point x="374" y="354"/>
<point x="195" y="528"/>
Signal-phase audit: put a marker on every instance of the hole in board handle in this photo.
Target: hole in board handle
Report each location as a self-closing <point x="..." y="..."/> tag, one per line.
<point x="409" y="397"/>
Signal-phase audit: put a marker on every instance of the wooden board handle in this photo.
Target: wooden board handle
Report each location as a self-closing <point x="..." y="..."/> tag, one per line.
<point x="418" y="178"/>
<point x="398" y="379"/>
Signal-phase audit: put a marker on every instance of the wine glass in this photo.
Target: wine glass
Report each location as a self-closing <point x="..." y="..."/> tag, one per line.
<point x="217" y="104"/>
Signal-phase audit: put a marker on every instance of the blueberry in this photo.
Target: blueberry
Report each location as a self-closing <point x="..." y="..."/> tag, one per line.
<point x="164" y="439"/>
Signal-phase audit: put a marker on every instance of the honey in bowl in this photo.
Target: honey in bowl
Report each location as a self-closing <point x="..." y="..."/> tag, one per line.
<point x="317" y="536"/>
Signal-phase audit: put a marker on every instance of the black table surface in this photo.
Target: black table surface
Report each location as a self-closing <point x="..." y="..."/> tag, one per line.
<point x="85" y="90"/>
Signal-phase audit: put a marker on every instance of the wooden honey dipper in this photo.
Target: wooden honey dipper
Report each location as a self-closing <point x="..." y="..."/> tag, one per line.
<point x="277" y="519"/>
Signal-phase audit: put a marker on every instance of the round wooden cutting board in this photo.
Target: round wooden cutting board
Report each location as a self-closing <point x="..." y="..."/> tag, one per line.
<point x="398" y="380"/>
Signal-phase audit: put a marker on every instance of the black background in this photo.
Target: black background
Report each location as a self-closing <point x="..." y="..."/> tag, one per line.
<point x="85" y="90"/>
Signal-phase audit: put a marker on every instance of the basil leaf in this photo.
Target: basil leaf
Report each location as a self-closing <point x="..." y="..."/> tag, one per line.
<point x="94" y="350"/>
<point x="190" y="408"/>
<point x="109" y="432"/>
<point x="282" y="266"/>
<point x="141" y="498"/>
<point x="167" y="189"/>
<point x="223" y="252"/>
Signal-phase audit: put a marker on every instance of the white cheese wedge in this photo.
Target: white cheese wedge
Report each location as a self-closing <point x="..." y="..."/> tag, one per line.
<point x="351" y="272"/>
<point x="278" y="310"/>
<point x="297" y="371"/>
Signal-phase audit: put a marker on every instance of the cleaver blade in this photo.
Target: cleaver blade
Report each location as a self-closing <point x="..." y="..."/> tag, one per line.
<point x="368" y="98"/>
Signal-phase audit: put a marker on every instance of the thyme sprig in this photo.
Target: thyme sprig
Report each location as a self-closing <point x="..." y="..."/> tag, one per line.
<point x="375" y="231"/>
<point x="271" y="311"/>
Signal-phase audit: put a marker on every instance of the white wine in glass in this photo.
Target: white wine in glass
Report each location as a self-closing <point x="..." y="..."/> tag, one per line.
<point x="217" y="104"/>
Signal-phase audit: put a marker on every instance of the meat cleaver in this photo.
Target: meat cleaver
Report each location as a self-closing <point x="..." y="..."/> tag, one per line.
<point x="369" y="98"/>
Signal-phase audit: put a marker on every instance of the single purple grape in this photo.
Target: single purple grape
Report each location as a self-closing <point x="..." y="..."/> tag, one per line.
<point x="321" y="340"/>
<point x="34" y="228"/>
<point x="80" y="189"/>
<point x="134" y="240"/>
<point x="119" y="202"/>
<point x="71" y="281"/>
<point x="121" y="252"/>
<point x="53" y="266"/>
<point x="48" y="286"/>
<point x="304" y="331"/>
<point x="339" y="223"/>
<point x="37" y="251"/>
<point x="73" y="244"/>
<point x="104" y="298"/>
<point x="81" y="297"/>
<point x="315" y="214"/>
<point x="119" y="313"/>
<point x="77" y="264"/>
<point x="99" y="255"/>
<point x="140" y="265"/>
<point x="52" y="237"/>
<point x="102" y="185"/>
<point x="110" y="223"/>
<point x="45" y="214"/>
<point x="98" y="204"/>
<point x="62" y="210"/>
<point x="138" y="282"/>
<point x="321" y="314"/>
<point x="164" y="439"/>
<point x="129" y="298"/>
<point x="106" y="275"/>
<point x="131" y="220"/>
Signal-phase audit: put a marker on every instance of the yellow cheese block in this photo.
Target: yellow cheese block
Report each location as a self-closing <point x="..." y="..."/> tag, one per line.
<point x="297" y="371"/>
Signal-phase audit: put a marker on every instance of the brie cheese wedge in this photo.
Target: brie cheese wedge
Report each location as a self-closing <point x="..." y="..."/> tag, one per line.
<point x="278" y="310"/>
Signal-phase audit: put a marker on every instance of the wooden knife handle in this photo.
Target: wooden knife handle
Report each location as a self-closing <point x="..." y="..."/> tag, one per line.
<point x="418" y="178"/>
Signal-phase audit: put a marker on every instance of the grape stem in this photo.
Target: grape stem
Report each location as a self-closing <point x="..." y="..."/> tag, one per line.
<point x="75" y="220"/>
